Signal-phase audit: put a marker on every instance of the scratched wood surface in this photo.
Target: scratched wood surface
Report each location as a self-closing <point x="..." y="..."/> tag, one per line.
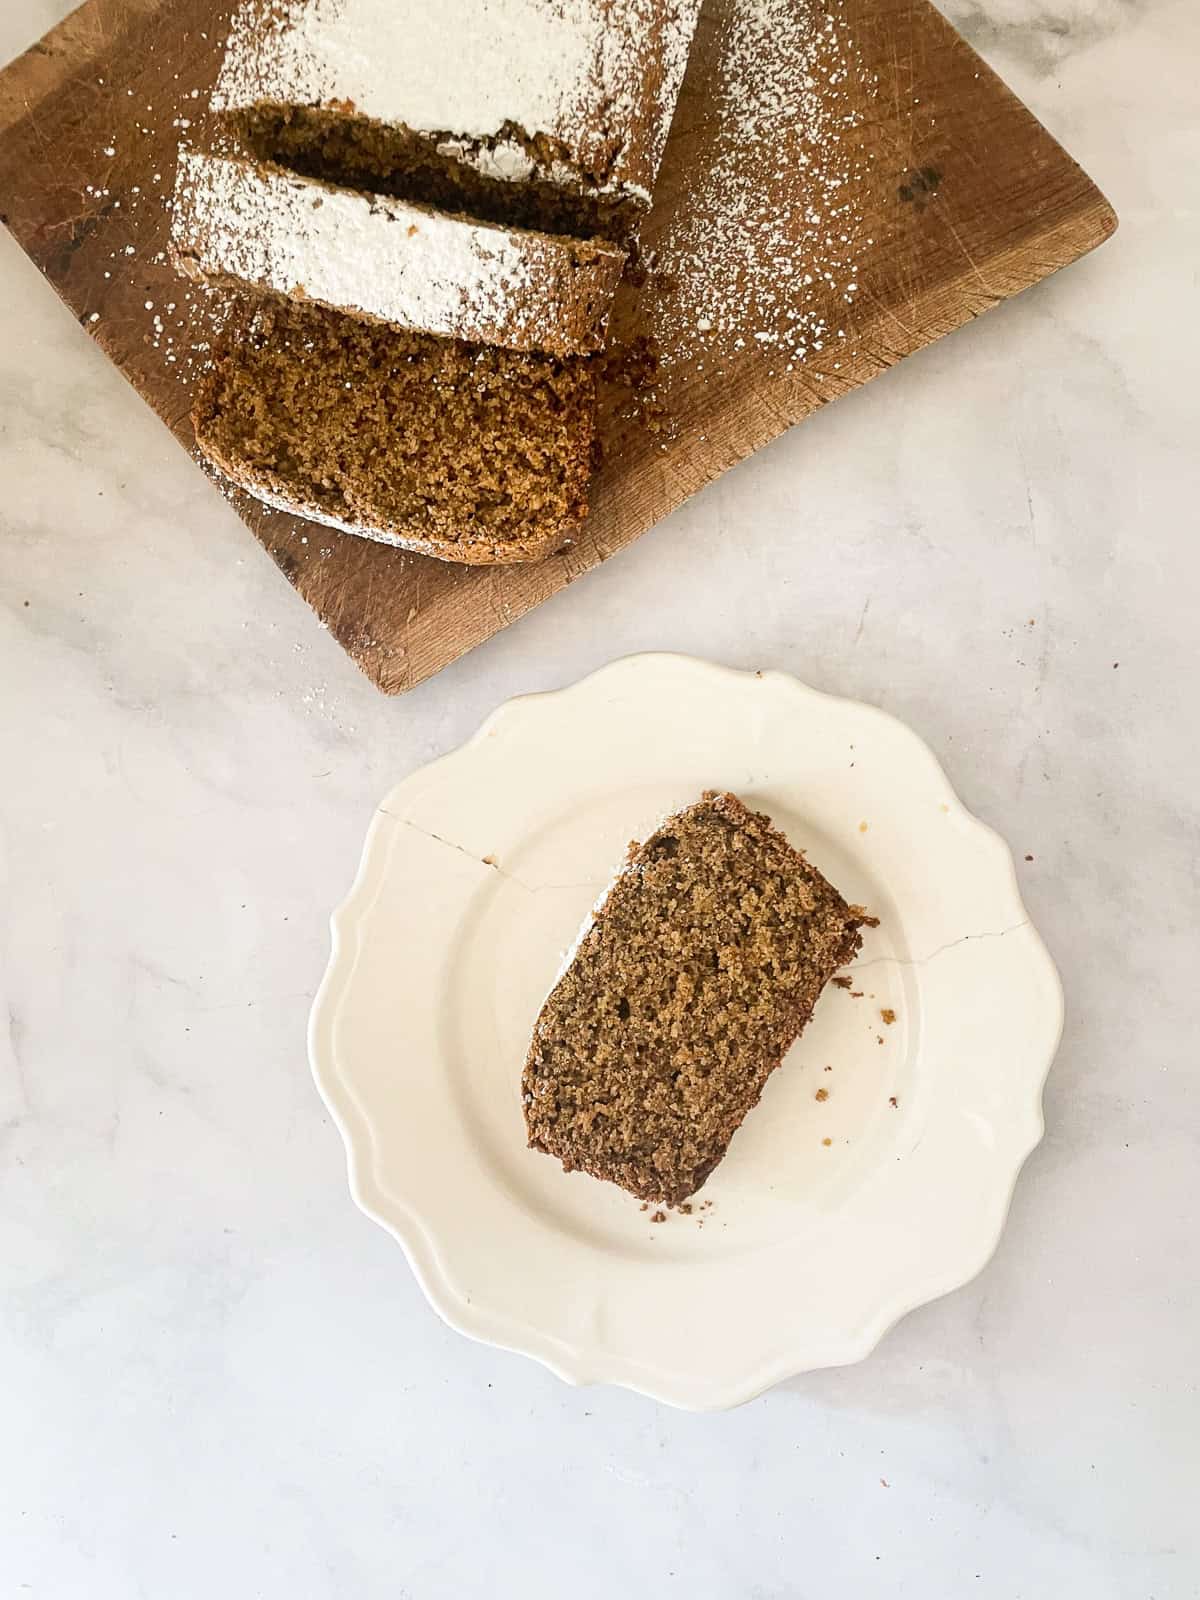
<point x="964" y="198"/>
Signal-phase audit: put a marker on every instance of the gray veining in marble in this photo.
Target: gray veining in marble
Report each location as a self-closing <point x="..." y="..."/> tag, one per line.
<point x="218" y="1378"/>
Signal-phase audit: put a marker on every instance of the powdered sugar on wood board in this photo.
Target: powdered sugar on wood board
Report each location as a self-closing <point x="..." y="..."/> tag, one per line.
<point x="751" y="256"/>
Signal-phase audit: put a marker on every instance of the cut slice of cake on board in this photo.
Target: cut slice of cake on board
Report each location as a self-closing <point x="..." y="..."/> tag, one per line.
<point x="430" y="444"/>
<point x="391" y="261"/>
<point x="695" y="974"/>
<point x="427" y="211"/>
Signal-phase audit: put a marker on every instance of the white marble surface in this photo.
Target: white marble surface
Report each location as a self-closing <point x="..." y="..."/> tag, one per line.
<point x="218" y="1378"/>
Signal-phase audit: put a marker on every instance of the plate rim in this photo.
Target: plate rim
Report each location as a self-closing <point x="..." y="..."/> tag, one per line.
<point x="576" y="1364"/>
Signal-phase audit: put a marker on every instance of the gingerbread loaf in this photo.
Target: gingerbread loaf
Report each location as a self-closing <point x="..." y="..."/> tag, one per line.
<point x="549" y="114"/>
<point x="431" y="206"/>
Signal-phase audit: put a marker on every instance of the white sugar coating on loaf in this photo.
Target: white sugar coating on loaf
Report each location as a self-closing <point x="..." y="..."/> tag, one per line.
<point x="599" y="76"/>
<point x="390" y="261"/>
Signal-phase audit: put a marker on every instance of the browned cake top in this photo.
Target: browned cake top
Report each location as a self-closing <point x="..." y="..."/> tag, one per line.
<point x="451" y="448"/>
<point x="703" y="964"/>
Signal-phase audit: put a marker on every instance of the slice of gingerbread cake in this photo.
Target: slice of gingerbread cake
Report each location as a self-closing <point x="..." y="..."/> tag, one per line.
<point x="697" y="971"/>
<point x="467" y="452"/>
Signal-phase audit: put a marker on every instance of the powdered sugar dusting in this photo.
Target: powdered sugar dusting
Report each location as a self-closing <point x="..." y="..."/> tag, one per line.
<point x="387" y="260"/>
<point x="598" y="76"/>
<point x="752" y="256"/>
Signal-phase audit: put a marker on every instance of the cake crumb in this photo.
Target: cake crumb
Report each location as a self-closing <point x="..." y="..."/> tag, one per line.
<point x="826" y="1141"/>
<point x="892" y="1101"/>
<point x="843" y="982"/>
<point x="822" y="1094"/>
<point x="247" y="400"/>
<point x="659" y="1216"/>
<point x="626" y="1028"/>
<point x="888" y="1015"/>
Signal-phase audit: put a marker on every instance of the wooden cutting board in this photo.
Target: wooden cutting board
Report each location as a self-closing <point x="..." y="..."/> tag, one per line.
<point x="954" y="198"/>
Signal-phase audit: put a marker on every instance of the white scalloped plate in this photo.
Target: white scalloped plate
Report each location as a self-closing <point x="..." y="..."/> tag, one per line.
<point x="828" y="1219"/>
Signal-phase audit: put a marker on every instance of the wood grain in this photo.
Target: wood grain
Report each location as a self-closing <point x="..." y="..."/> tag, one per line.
<point x="89" y="129"/>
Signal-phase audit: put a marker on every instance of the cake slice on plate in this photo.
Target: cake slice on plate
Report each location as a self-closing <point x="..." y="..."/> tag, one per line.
<point x="692" y="979"/>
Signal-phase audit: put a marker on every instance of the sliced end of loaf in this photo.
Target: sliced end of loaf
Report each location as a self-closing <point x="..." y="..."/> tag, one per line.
<point x="466" y="452"/>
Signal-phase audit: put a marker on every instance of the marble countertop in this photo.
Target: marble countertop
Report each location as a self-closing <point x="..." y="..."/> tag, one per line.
<point x="218" y="1377"/>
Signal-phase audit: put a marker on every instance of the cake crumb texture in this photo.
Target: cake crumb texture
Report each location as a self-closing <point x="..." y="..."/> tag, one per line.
<point x="701" y="967"/>
<point x="468" y="452"/>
